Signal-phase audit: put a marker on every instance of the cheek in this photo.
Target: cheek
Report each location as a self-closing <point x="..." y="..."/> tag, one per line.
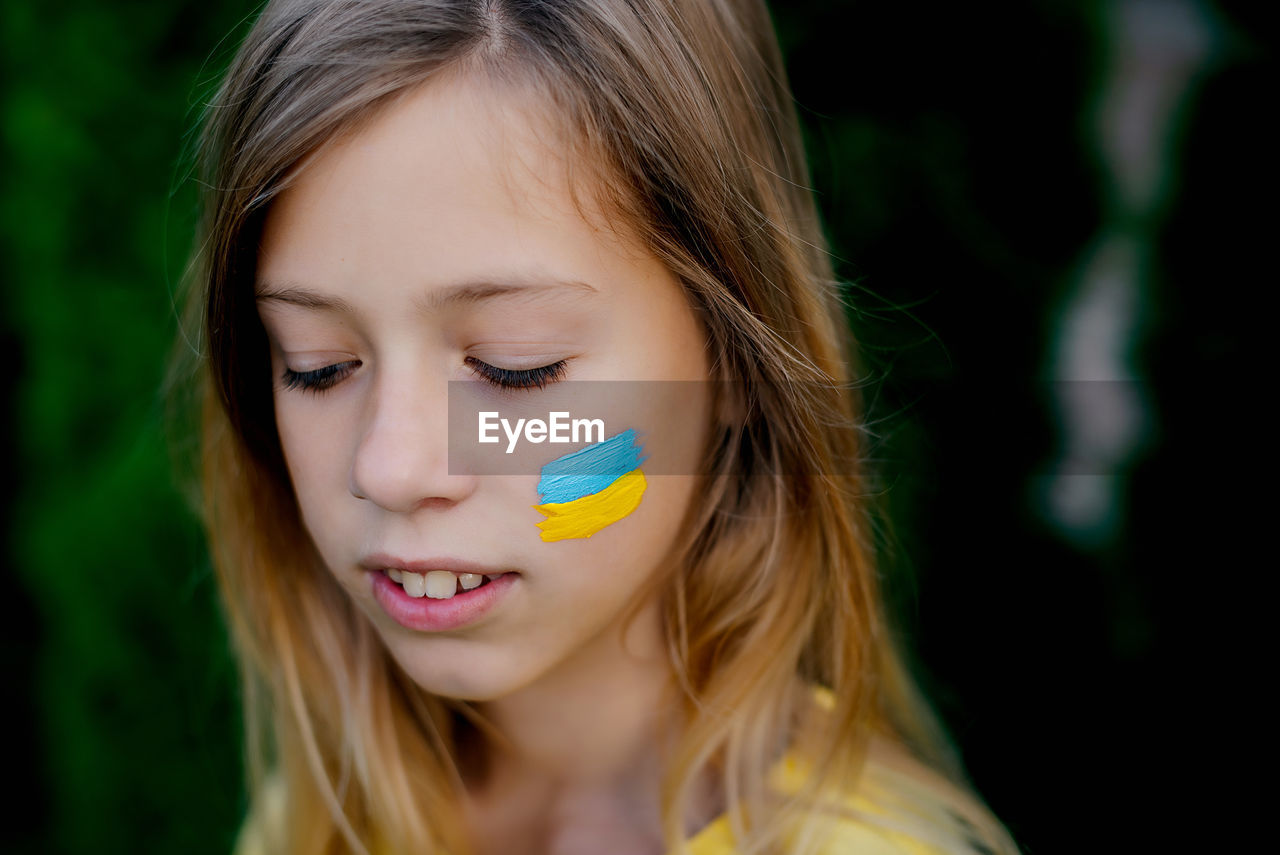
<point x="314" y="457"/>
<point x="656" y="522"/>
<point x="621" y="556"/>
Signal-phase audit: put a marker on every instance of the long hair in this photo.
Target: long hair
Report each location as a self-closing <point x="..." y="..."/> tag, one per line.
<point x="679" y="110"/>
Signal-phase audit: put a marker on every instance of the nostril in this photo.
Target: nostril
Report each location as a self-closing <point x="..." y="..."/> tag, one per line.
<point x="436" y="503"/>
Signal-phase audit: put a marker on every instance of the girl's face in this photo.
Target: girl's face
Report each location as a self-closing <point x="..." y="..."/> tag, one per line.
<point x="439" y="242"/>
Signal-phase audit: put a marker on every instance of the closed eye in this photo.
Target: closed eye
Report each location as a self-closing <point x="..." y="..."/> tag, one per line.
<point x="509" y="378"/>
<point x="319" y="379"/>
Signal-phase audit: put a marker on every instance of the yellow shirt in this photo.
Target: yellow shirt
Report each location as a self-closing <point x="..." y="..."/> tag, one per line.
<point x="848" y="835"/>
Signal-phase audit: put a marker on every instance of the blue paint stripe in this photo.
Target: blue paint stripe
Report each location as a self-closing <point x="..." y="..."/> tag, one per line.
<point x="589" y="470"/>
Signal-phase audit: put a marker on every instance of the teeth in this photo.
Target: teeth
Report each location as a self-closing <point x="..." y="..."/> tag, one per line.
<point x="414" y="583"/>
<point x="441" y="584"/>
<point x="438" y="584"/>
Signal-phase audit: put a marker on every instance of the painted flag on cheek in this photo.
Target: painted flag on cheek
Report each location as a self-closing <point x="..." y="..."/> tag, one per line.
<point x="586" y="490"/>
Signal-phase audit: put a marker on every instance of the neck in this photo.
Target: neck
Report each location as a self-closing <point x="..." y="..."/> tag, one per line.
<point x="597" y="721"/>
<point x="583" y="750"/>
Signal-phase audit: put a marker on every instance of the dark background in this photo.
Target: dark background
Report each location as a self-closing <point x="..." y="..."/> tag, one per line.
<point x="1003" y="183"/>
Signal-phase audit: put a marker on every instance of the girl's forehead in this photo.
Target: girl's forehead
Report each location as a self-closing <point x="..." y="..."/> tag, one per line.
<point x="455" y="182"/>
<point x="448" y="129"/>
<point x="454" y="153"/>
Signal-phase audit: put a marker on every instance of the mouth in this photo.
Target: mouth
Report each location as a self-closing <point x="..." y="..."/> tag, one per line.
<point x="437" y="578"/>
<point x="439" y="584"/>
<point x="438" y="594"/>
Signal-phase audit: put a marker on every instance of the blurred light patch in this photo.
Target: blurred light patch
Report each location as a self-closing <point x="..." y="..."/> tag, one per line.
<point x="1157" y="47"/>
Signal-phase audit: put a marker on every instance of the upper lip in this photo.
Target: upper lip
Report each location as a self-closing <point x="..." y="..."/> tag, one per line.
<point x="381" y="561"/>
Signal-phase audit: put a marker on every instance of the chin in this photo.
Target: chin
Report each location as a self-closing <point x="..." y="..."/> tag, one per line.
<point x="451" y="670"/>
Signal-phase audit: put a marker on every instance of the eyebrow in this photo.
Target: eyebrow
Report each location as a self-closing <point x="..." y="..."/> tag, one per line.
<point x="464" y="293"/>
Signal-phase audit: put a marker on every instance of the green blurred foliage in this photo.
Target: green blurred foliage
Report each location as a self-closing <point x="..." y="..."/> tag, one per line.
<point x="134" y="701"/>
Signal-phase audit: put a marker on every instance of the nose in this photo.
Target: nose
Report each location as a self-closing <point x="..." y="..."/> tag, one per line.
<point x="402" y="461"/>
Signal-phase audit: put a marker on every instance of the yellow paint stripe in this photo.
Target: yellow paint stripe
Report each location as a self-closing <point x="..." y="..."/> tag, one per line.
<point x="586" y="516"/>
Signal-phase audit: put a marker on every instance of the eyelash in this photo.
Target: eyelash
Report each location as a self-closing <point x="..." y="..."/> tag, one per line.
<point x="320" y="379"/>
<point x="507" y="378"/>
<point x="503" y="378"/>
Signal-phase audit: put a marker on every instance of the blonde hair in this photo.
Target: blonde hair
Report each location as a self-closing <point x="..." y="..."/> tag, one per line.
<point x="680" y="111"/>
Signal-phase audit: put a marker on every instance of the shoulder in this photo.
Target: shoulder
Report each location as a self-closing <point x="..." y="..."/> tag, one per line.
<point x="918" y="810"/>
<point x="901" y="806"/>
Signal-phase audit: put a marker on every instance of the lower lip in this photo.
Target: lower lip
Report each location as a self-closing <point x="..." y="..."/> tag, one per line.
<point x="430" y="615"/>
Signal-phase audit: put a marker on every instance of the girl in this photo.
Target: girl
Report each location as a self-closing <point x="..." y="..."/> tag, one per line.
<point x="407" y="198"/>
